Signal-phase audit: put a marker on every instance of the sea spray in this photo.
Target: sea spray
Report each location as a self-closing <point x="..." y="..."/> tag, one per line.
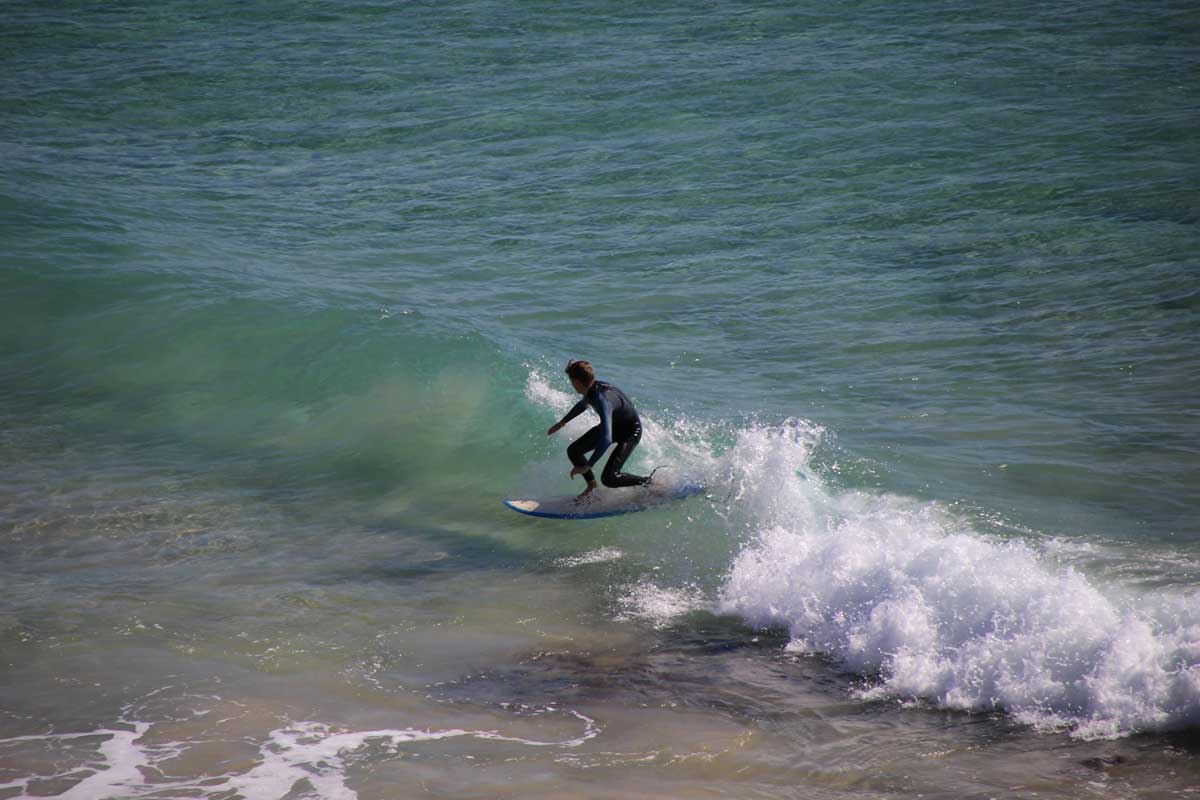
<point x="913" y="597"/>
<point x="683" y="446"/>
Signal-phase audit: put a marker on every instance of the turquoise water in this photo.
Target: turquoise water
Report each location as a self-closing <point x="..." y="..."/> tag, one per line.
<point x="285" y="295"/>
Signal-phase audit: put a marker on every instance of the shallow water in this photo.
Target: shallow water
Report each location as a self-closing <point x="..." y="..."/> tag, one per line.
<point x="286" y="292"/>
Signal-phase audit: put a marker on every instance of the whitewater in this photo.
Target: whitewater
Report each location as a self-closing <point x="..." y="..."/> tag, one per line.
<point x="908" y="595"/>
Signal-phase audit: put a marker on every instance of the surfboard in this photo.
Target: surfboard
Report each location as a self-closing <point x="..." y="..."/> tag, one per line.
<point x="606" y="502"/>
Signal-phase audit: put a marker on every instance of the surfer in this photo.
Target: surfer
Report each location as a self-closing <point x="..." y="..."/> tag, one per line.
<point x="619" y="422"/>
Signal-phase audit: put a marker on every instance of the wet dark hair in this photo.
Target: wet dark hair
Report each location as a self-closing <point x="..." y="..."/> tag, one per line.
<point x="581" y="371"/>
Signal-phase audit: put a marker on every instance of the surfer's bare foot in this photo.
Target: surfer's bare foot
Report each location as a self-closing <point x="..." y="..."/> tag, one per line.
<point x="585" y="494"/>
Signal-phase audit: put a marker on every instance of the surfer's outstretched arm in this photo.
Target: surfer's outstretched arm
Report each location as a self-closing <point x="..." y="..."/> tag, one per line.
<point x="578" y="409"/>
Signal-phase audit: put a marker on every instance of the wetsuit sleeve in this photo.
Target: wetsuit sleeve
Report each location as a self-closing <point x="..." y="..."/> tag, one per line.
<point x="605" y="412"/>
<point x="579" y="408"/>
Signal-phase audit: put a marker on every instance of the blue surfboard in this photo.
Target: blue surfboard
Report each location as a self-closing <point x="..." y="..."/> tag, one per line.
<point x="606" y="502"/>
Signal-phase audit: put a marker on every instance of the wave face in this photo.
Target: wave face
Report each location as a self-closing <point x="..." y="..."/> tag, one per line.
<point x="390" y="412"/>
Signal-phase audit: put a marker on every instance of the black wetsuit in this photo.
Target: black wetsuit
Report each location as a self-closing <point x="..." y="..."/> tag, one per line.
<point x="619" y="422"/>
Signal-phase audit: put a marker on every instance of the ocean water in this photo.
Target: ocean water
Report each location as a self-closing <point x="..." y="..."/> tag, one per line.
<point x="286" y="291"/>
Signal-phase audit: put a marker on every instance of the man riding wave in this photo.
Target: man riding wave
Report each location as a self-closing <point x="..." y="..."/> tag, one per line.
<point x="619" y="423"/>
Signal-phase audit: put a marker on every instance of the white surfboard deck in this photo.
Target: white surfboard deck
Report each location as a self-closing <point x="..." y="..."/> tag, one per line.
<point x="606" y="502"/>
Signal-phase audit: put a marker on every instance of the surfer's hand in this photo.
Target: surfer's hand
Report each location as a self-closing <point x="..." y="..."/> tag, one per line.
<point x="554" y="429"/>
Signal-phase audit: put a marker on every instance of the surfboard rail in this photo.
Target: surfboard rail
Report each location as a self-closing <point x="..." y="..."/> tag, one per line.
<point x="568" y="508"/>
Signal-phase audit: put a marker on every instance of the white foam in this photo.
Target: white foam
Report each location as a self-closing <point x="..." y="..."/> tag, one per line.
<point x="913" y="596"/>
<point x="311" y="753"/>
<point x="597" y="556"/>
<point x="904" y="591"/>
<point x="118" y="766"/>
<point x="661" y="605"/>
<point x="316" y="753"/>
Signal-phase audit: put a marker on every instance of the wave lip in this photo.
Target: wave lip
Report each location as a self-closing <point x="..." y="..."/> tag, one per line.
<point x="900" y="590"/>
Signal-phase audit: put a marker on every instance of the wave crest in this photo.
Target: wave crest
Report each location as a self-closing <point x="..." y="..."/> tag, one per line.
<point x="912" y="596"/>
<point x="903" y="591"/>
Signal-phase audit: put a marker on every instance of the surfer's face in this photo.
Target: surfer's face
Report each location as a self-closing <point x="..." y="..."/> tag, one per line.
<point x="579" y="386"/>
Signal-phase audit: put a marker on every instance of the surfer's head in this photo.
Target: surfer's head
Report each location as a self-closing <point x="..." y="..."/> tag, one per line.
<point x="581" y="374"/>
